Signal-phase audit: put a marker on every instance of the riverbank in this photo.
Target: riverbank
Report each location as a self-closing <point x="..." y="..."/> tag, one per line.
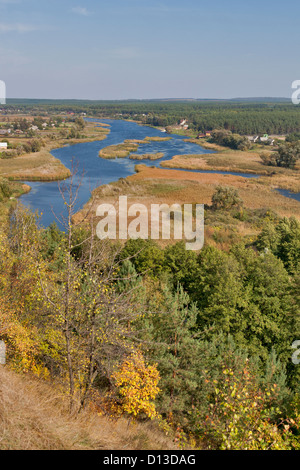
<point x="196" y="186"/>
<point x="42" y="165"/>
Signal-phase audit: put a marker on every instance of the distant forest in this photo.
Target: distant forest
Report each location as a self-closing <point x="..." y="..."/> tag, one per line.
<point x="244" y="117"/>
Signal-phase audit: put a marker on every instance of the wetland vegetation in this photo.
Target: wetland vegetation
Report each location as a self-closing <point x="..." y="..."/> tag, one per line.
<point x="209" y="334"/>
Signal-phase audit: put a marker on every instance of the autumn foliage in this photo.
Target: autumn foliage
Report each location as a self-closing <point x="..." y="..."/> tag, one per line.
<point x="243" y="416"/>
<point x="136" y="387"/>
<point x="199" y="343"/>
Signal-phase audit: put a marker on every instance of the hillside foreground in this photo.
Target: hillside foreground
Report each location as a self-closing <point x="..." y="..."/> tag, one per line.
<point x="34" y="416"/>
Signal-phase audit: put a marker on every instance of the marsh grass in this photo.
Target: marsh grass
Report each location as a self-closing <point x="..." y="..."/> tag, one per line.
<point x="40" y="166"/>
<point x="222" y="228"/>
<point x="240" y="162"/>
<point x="147" y="156"/>
<point x="229" y="160"/>
<point x="157" y="139"/>
<point x="125" y="148"/>
<point x="118" y="151"/>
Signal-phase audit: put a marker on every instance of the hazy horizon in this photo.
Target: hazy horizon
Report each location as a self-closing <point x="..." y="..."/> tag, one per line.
<point x="241" y="98"/>
<point x="115" y="50"/>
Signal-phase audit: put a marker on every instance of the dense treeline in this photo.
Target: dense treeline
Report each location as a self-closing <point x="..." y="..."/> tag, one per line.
<point x="202" y="342"/>
<point x="241" y="117"/>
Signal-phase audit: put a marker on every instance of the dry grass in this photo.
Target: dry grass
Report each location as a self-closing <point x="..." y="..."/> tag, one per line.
<point x="119" y="150"/>
<point x="34" y="166"/>
<point x="124" y="149"/>
<point x="34" y="416"/>
<point x="230" y="160"/>
<point x="199" y="187"/>
<point x="42" y="166"/>
<point x="156" y="186"/>
<point x="157" y="139"/>
<point x="239" y="162"/>
<point x="147" y="156"/>
<point x="169" y="186"/>
<point x="206" y="145"/>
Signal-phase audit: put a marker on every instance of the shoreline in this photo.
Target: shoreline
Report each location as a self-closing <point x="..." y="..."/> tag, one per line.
<point x="42" y="165"/>
<point x="265" y="183"/>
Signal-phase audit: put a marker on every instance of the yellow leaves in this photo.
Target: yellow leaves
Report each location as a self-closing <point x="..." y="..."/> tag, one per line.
<point x="240" y="418"/>
<point x="22" y="345"/>
<point x="137" y="384"/>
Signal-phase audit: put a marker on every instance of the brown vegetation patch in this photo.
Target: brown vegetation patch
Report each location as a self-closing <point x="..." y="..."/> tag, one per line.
<point x="34" y="416"/>
<point x="157" y="139"/>
<point x="199" y="187"/>
<point x="119" y="150"/>
<point x="124" y="149"/>
<point x="147" y="156"/>
<point x="34" y="166"/>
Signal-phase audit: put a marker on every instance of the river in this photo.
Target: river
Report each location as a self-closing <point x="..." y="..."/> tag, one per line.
<point x="94" y="171"/>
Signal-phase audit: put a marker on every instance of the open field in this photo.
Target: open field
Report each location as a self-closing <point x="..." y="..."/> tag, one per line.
<point x="229" y="160"/>
<point x="199" y="187"/>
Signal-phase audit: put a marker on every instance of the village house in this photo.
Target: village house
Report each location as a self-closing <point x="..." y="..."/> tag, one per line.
<point x="5" y="131"/>
<point x="263" y="139"/>
<point x="183" y="124"/>
<point x="204" y="134"/>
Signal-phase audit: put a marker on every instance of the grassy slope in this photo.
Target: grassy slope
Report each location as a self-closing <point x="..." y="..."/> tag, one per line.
<point x="34" y="416"/>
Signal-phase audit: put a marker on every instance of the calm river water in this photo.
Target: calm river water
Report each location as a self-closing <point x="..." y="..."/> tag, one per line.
<point x="45" y="197"/>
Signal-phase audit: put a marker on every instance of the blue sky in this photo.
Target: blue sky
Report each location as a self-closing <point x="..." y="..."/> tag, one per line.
<point x="123" y="49"/>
